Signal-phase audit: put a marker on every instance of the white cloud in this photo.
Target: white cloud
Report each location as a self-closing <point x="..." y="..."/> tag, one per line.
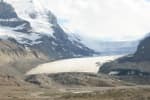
<point x="118" y="19"/>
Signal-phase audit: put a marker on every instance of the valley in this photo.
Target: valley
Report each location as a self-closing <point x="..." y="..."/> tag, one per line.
<point x="41" y="60"/>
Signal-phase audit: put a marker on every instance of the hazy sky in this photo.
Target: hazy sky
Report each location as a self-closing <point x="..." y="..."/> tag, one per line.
<point x="117" y="19"/>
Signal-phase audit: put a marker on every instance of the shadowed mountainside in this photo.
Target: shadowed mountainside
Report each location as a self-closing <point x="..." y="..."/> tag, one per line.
<point x="132" y="67"/>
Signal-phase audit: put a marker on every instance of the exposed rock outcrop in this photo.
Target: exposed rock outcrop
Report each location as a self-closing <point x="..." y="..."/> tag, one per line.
<point x="134" y="66"/>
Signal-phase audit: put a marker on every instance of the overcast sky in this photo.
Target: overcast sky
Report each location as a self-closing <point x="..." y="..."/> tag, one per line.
<point x="104" y="19"/>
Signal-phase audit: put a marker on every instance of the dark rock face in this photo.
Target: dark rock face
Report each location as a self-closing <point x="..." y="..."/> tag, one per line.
<point x="9" y="18"/>
<point x="143" y="51"/>
<point x="61" y="47"/>
<point x="136" y="65"/>
<point x="4" y="7"/>
<point x="57" y="46"/>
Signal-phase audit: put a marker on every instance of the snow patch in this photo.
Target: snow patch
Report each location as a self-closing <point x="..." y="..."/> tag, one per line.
<point x="22" y="38"/>
<point x="33" y="12"/>
<point x="114" y="73"/>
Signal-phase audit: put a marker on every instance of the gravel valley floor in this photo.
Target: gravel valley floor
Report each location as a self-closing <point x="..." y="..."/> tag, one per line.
<point x="87" y="86"/>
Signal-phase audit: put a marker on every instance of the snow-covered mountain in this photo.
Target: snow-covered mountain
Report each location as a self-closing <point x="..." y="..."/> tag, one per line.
<point x="27" y="23"/>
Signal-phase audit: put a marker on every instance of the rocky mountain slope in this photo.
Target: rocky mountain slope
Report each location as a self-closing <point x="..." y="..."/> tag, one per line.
<point x="31" y="35"/>
<point x="132" y="67"/>
<point x="17" y="59"/>
<point x="38" y="29"/>
<point x="143" y="51"/>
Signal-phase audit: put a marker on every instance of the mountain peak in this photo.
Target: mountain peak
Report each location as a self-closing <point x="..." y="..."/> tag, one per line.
<point x="35" y="27"/>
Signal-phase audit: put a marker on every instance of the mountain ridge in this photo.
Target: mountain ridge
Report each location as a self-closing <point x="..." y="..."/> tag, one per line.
<point x="134" y="67"/>
<point x="31" y="38"/>
<point x="47" y="38"/>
